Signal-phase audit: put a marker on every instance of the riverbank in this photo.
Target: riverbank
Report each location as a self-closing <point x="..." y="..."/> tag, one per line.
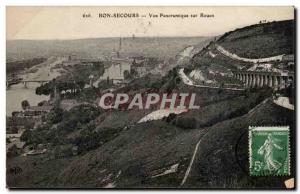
<point x="18" y="92"/>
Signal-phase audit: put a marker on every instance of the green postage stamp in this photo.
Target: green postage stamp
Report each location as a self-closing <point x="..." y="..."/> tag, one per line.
<point x="269" y="151"/>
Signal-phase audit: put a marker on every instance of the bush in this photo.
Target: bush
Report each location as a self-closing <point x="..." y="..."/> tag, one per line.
<point x="26" y="136"/>
<point x="13" y="151"/>
<point x="186" y="122"/>
<point x="170" y="118"/>
<point x="56" y="115"/>
<point x="25" y="104"/>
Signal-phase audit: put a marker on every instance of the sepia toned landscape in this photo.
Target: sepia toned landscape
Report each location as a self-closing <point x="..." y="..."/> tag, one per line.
<point x="58" y="137"/>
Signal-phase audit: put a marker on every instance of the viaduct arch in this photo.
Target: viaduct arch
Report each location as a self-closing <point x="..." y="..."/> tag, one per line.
<point x="260" y="79"/>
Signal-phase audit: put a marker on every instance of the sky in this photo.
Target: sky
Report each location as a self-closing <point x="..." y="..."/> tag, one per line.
<point x="68" y="22"/>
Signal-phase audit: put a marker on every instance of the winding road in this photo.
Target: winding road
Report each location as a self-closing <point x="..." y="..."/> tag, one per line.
<point x="236" y="57"/>
<point x="186" y="80"/>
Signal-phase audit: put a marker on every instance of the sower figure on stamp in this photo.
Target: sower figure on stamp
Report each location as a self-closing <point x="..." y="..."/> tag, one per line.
<point x="267" y="150"/>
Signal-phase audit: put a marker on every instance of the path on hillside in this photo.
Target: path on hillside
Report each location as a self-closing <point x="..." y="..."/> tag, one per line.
<point x="284" y="102"/>
<point x="236" y="57"/>
<point x="188" y="170"/>
<point x="186" y="80"/>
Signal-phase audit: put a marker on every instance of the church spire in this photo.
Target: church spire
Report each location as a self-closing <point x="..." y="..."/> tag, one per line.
<point x="120" y="44"/>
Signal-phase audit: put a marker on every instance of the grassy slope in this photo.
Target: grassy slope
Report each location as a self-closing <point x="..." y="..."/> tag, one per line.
<point x="145" y="149"/>
<point x="222" y="159"/>
<point x="150" y="148"/>
<point x="37" y="171"/>
<point x="261" y="40"/>
<point x="139" y="153"/>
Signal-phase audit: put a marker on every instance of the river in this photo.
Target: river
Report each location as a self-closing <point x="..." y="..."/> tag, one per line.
<point x="17" y="93"/>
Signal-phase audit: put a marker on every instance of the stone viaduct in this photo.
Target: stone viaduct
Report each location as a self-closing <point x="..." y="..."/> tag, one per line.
<point x="260" y="79"/>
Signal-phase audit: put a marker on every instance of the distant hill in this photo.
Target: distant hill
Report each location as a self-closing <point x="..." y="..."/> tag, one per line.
<point x="252" y="42"/>
<point x="261" y="40"/>
<point x="162" y="47"/>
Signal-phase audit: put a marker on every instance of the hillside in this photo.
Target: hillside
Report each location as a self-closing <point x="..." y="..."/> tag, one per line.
<point x="139" y="156"/>
<point x="222" y="160"/>
<point x="261" y="40"/>
<point x="242" y="48"/>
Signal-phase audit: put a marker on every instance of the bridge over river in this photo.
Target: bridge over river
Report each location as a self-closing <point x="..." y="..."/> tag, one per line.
<point x="25" y="82"/>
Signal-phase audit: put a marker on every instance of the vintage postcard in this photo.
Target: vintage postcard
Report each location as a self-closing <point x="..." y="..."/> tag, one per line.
<point x="150" y="97"/>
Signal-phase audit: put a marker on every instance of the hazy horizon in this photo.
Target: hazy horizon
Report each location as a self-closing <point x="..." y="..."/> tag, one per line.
<point x="127" y="37"/>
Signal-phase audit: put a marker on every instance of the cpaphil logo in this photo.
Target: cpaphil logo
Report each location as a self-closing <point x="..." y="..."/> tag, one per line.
<point x="148" y="101"/>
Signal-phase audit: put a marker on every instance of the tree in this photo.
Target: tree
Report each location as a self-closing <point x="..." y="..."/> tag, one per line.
<point x="45" y="89"/>
<point x="13" y="151"/>
<point x="81" y="84"/>
<point x="26" y="136"/>
<point x="127" y="74"/>
<point x="56" y="115"/>
<point x="25" y="104"/>
<point x="14" y="130"/>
